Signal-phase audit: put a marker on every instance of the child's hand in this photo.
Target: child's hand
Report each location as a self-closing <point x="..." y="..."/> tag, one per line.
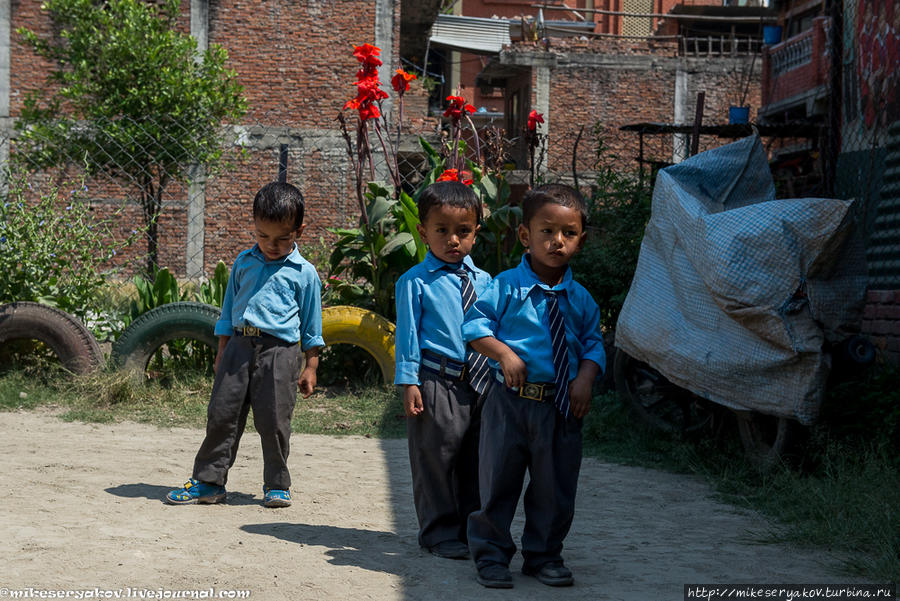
<point x="580" y="395"/>
<point x="412" y="400"/>
<point x="514" y="371"/>
<point x="307" y="381"/>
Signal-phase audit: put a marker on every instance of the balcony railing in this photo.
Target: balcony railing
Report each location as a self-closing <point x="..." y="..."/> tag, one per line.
<point x="794" y="53"/>
<point x="719" y="46"/>
<point x="796" y="68"/>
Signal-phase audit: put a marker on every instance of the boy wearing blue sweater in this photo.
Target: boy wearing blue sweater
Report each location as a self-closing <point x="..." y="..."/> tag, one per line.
<point x="272" y="303"/>
<point x="541" y="330"/>
<point x="441" y="382"/>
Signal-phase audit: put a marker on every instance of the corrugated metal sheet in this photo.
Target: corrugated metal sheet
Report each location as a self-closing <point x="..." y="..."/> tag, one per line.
<point x="884" y="244"/>
<point x="470" y="34"/>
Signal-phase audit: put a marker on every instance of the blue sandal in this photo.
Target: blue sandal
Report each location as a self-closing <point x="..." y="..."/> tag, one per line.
<point x="195" y="491"/>
<point x="276" y="497"/>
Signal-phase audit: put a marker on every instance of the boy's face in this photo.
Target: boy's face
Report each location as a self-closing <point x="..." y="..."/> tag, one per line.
<point x="552" y="237"/>
<point x="276" y="238"/>
<point x="449" y="232"/>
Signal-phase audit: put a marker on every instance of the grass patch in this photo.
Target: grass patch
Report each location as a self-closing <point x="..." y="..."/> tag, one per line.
<point x="182" y="401"/>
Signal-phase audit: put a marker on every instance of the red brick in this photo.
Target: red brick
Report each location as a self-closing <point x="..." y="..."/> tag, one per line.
<point x="880" y="296"/>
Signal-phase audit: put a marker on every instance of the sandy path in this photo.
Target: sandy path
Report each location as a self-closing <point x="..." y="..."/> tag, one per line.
<point x="80" y="508"/>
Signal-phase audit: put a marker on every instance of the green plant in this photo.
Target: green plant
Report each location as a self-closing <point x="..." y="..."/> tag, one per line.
<point x="212" y="291"/>
<point x="372" y="256"/>
<point x="498" y="246"/>
<point x="55" y="250"/>
<point x="129" y="97"/>
<point x="151" y="294"/>
<point x="619" y="211"/>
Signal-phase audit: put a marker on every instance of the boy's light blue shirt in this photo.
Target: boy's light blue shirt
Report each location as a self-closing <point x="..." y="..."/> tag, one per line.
<point x="514" y="310"/>
<point x="282" y="298"/>
<point x="429" y="314"/>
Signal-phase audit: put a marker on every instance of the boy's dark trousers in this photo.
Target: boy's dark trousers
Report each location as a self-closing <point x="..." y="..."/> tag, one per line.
<point x="259" y="372"/>
<point x="443" y="455"/>
<point x="519" y="434"/>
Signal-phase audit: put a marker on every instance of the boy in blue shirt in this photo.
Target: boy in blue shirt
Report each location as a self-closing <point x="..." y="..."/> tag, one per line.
<point x="440" y="391"/>
<point x="542" y="329"/>
<point x="272" y="303"/>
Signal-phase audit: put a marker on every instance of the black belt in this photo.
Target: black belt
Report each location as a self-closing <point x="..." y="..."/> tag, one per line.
<point x="254" y="332"/>
<point x="535" y="391"/>
<point x="443" y="366"/>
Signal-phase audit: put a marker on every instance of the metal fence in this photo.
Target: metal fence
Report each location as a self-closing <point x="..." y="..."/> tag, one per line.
<point x="203" y="215"/>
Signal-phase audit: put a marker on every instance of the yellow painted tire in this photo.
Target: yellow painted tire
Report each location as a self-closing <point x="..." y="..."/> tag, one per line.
<point x="345" y="324"/>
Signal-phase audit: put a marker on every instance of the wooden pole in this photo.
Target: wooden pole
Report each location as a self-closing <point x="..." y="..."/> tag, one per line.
<point x="698" y="121"/>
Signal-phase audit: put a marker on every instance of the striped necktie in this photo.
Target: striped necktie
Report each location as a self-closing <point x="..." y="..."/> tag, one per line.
<point x="560" y="353"/>
<point x="478" y="372"/>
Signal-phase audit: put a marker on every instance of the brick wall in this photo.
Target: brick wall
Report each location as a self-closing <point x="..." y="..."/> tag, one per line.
<point x="296" y="65"/>
<point x="617" y="82"/>
<point x="881" y="322"/>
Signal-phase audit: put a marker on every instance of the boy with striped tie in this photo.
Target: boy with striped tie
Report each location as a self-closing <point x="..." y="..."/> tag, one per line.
<point x="442" y="380"/>
<point x="542" y="330"/>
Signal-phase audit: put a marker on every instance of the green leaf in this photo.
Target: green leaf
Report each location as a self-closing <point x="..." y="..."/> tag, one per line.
<point x="402" y="239"/>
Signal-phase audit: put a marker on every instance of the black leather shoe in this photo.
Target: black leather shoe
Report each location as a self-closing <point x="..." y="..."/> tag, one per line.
<point x="494" y="575"/>
<point x="552" y="573"/>
<point x="450" y="549"/>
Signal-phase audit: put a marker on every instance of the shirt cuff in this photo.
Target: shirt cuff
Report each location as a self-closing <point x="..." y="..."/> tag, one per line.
<point x="473" y="330"/>
<point x="224" y="328"/>
<point x="406" y="372"/>
<point x="312" y="342"/>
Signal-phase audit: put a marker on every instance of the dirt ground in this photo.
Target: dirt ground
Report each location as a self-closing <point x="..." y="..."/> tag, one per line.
<point x="80" y="508"/>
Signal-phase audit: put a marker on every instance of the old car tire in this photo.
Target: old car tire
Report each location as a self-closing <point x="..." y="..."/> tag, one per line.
<point x="768" y="440"/>
<point x="73" y="343"/>
<point x="658" y="403"/>
<point x="146" y="334"/>
<point x="340" y="325"/>
<point x="345" y="324"/>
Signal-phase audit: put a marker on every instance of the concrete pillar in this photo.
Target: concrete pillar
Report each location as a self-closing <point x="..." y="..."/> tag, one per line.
<point x="384" y="39"/>
<point x="680" y="141"/>
<point x="196" y="209"/>
<point x="542" y="105"/>
<point x="200" y="24"/>
<point x="5" y="121"/>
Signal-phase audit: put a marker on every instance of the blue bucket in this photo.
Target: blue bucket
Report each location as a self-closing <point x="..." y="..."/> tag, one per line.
<point x="738" y="114"/>
<point x="771" y="34"/>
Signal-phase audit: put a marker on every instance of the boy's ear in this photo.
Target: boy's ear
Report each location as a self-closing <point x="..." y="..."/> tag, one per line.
<point x="581" y="240"/>
<point x="421" y="229"/>
<point x="299" y="231"/>
<point x="523" y="235"/>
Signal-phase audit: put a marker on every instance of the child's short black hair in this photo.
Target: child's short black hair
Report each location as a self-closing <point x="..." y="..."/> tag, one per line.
<point x="560" y="194"/>
<point x="279" y="201"/>
<point x="454" y="194"/>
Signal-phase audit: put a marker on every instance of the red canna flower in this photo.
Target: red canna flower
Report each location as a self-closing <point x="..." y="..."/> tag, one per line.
<point x="534" y="118"/>
<point x="449" y="175"/>
<point x="454" y="175"/>
<point x="368" y="92"/>
<point x="368" y="55"/>
<point x="457" y="107"/>
<point x="400" y="81"/>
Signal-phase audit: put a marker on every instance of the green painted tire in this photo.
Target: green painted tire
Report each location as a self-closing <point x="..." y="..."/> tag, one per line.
<point x="146" y="334"/>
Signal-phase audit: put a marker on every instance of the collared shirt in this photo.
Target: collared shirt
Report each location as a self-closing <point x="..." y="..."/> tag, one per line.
<point x="281" y="298"/>
<point x="429" y="313"/>
<point x="514" y="310"/>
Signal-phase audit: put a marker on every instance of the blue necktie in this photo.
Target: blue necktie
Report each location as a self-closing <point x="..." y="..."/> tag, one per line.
<point x="478" y="369"/>
<point x="560" y="353"/>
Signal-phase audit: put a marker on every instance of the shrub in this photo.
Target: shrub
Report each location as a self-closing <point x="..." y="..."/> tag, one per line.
<point x="619" y="211"/>
<point x="56" y="250"/>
